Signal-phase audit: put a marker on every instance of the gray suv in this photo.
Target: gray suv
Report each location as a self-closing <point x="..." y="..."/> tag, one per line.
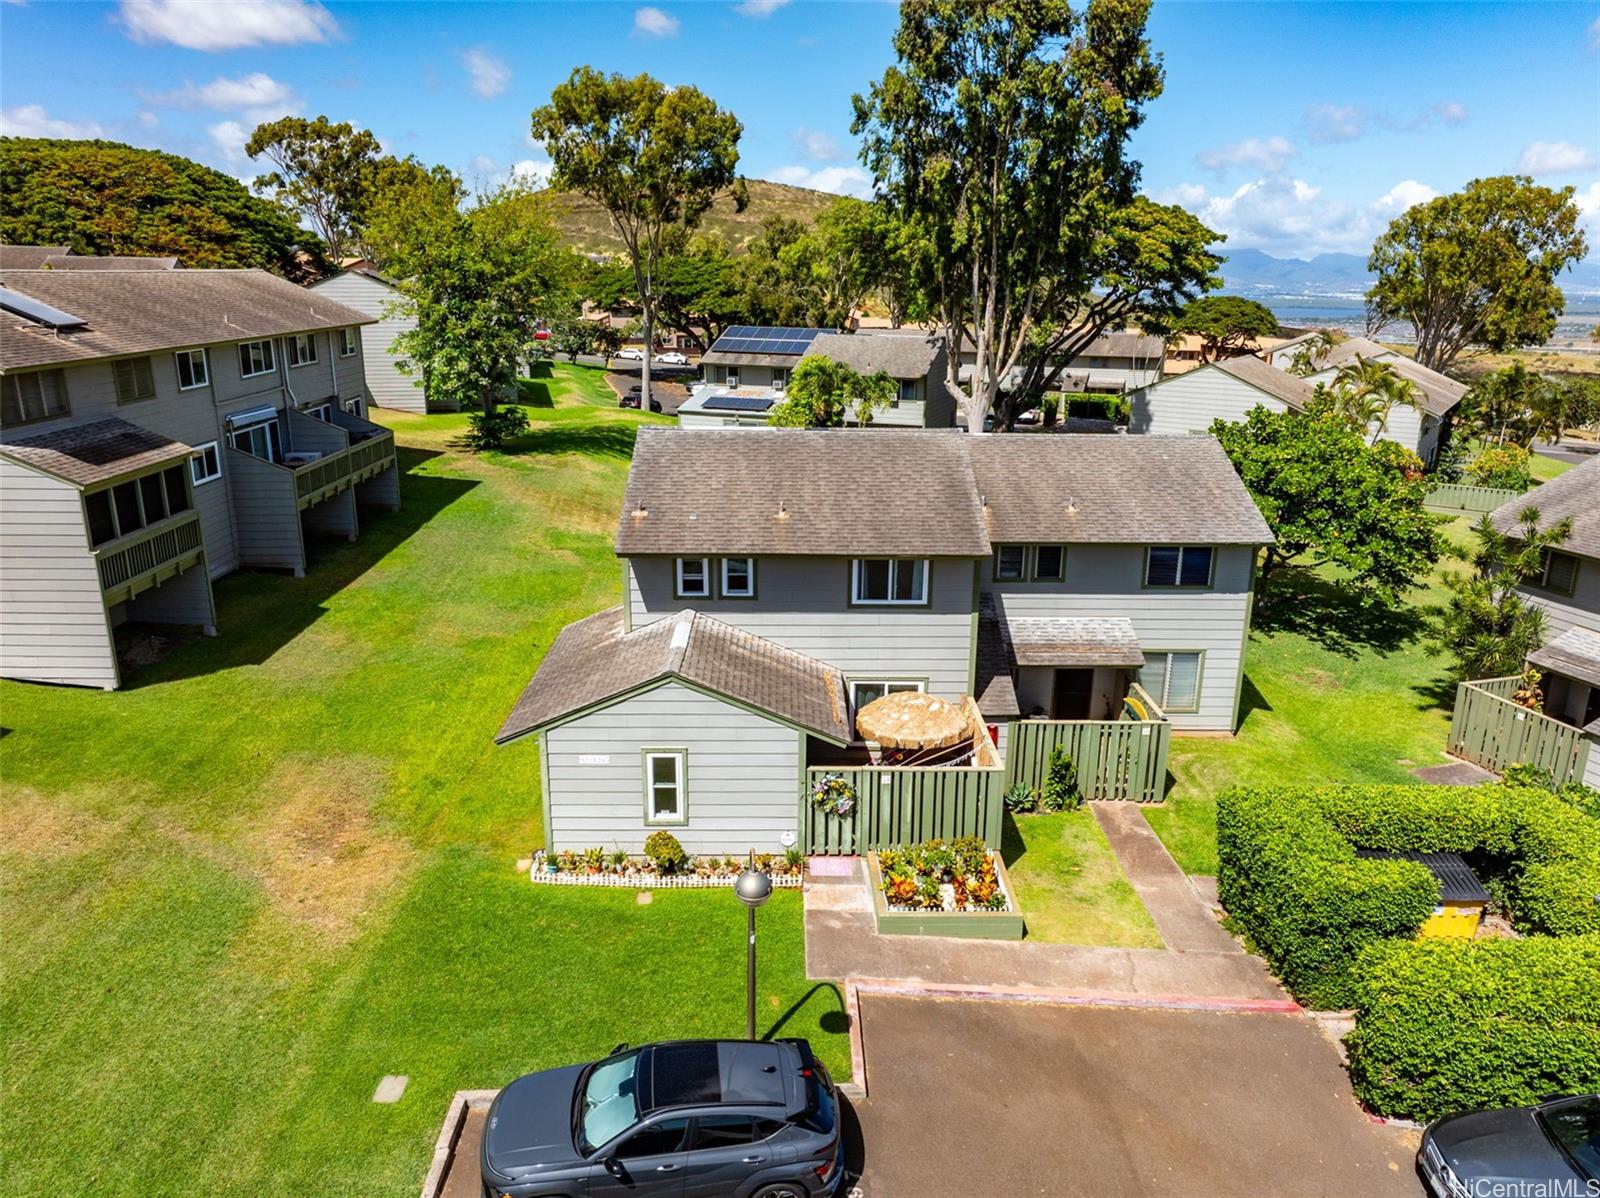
<point x="683" y="1119"/>
<point x="1552" y="1148"/>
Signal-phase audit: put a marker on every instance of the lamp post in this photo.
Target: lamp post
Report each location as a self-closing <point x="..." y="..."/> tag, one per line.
<point x="754" y="887"/>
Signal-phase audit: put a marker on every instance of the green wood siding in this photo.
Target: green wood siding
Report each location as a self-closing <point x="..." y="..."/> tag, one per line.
<point x="1494" y="732"/>
<point x="1116" y="759"/>
<point x="901" y="805"/>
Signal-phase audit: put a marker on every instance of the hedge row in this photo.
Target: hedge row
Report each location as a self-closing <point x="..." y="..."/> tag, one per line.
<point x="1445" y="1026"/>
<point x="1291" y="879"/>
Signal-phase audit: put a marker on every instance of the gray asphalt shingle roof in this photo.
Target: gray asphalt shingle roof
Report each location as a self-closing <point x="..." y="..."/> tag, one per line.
<point x="899" y="355"/>
<point x="95" y="451"/>
<point x="1074" y="641"/>
<point x="1279" y="384"/>
<point x="595" y="660"/>
<point x="882" y="492"/>
<point x="142" y="311"/>
<point x="1575" y="653"/>
<point x="97" y="262"/>
<point x="1575" y="494"/>
<point x="1113" y="490"/>
<point x="28" y="257"/>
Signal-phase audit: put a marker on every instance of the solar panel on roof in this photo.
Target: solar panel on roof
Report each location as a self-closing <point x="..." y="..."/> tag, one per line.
<point x="755" y="339"/>
<point x="738" y="403"/>
<point x="29" y="308"/>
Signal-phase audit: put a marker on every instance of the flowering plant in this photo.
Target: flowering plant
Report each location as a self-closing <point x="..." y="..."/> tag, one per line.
<point x="833" y="795"/>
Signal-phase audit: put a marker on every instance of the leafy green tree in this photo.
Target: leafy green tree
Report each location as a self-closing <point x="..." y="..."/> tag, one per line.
<point x="607" y="341"/>
<point x="405" y="196"/>
<point x="102" y="197"/>
<point x="699" y="292"/>
<point x="1146" y="264"/>
<point x="1477" y="267"/>
<point x="823" y="393"/>
<point x="1487" y="626"/>
<point x="1504" y="467"/>
<point x="653" y="157"/>
<point x="478" y="282"/>
<point x="1308" y="359"/>
<point x="1331" y="497"/>
<point x="1366" y="391"/>
<point x="321" y="170"/>
<point x="1225" y="324"/>
<point x="1509" y="405"/>
<point x="1000" y="133"/>
<point x="572" y="336"/>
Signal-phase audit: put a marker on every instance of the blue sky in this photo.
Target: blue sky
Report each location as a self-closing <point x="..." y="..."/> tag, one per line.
<point x="1293" y="127"/>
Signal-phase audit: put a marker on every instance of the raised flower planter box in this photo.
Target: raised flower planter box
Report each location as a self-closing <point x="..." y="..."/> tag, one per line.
<point x="893" y="920"/>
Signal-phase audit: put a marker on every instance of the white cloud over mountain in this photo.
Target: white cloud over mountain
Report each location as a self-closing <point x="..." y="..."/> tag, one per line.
<point x="1291" y="217"/>
<point x="840" y="180"/>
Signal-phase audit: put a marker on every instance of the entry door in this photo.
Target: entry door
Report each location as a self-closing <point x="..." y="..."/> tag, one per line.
<point x="1074" y="694"/>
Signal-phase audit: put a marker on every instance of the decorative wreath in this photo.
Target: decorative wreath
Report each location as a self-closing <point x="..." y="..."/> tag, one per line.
<point x="833" y="795"/>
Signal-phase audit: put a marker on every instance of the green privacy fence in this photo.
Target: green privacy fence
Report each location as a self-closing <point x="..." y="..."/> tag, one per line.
<point x="900" y="805"/>
<point x="1461" y="497"/>
<point x="1116" y="759"/>
<point x="1491" y="730"/>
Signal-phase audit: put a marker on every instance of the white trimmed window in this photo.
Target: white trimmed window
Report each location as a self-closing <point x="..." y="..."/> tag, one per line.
<point x="1009" y="562"/>
<point x="259" y="437"/>
<point x="1558" y="572"/>
<point x="206" y="465"/>
<point x="1049" y="563"/>
<point x="347" y="343"/>
<point x="888" y="580"/>
<point x="1178" y="566"/>
<point x="664" y="786"/>
<point x="738" y="578"/>
<point x="353" y="406"/>
<point x="192" y="372"/>
<point x="693" y="578"/>
<point x="255" y="357"/>
<point x="908" y="393"/>
<point x="323" y="412"/>
<point x="1172" y="680"/>
<point x="865" y="690"/>
<point x="302" y="349"/>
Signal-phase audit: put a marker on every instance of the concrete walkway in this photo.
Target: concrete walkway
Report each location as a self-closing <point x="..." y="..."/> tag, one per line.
<point x="842" y="942"/>
<point x="1181" y="915"/>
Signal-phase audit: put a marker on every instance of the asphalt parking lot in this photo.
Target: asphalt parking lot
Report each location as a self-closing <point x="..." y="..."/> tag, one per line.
<point x="1004" y="1098"/>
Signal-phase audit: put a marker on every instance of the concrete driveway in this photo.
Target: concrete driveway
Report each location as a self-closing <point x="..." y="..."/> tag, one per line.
<point x="1008" y="1098"/>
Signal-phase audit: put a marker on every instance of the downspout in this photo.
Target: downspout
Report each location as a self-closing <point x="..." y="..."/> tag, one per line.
<point x="287" y="431"/>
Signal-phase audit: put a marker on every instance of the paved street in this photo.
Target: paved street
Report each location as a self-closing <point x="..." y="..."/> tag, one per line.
<point x="1011" y="1099"/>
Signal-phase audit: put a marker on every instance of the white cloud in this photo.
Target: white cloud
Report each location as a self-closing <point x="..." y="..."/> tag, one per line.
<point x="257" y="94"/>
<point x="1262" y="154"/>
<point x="816" y="144"/>
<point x="490" y="75"/>
<point x="1333" y="123"/>
<point x="148" y="119"/>
<point x="1406" y="194"/>
<point x="1594" y="36"/>
<point x="207" y="25"/>
<point x="652" y="22"/>
<point x="840" y="180"/>
<point x="1554" y="158"/>
<point x="1451" y="112"/>
<point x="759" y="10"/>
<point x="528" y="172"/>
<point x="532" y="173"/>
<point x="1292" y="218"/>
<point x="229" y="138"/>
<point x="31" y="120"/>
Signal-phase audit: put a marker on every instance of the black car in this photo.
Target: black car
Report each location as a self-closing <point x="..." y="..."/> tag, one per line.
<point x="683" y="1119"/>
<point x="631" y="400"/>
<point x="1552" y="1148"/>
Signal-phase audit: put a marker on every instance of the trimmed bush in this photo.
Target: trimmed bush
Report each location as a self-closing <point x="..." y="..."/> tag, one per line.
<point x="1290" y="876"/>
<point x="664" y="849"/>
<point x="1445" y="1025"/>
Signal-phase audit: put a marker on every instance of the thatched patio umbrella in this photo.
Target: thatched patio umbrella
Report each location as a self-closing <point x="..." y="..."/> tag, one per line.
<point x="912" y="720"/>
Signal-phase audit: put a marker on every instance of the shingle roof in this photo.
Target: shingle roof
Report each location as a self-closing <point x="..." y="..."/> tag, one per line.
<point x="28" y="257"/>
<point x="996" y="692"/>
<point x="1575" y="653"/>
<point x="1440" y="392"/>
<point x="1280" y="384"/>
<point x="1348" y="349"/>
<point x="96" y="451"/>
<point x="1125" y="345"/>
<point x="1074" y="641"/>
<point x="1115" y="490"/>
<point x="595" y="660"/>
<point x="96" y="262"/>
<point x="897" y="354"/>
<point x="141" y="311"/>
<point x="1576" y="494"/>
<point x="801" y="491"/>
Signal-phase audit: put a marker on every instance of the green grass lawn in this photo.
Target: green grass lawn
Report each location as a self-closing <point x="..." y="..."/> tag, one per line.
<point x="280" y="863"/>
<point x="1068" y="882"/>
<point x="554" y="383"/>
<point x="1333" y="693"/>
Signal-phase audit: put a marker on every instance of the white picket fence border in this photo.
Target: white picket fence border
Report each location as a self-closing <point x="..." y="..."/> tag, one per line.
<point x="643" y="881"/>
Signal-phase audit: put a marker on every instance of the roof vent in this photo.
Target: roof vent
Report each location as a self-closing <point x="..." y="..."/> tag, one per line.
<point x="783" y="512"/>
<point x="1072" y="505"/>
<point x="680" y="633"/>
<point x="640" y="512"/>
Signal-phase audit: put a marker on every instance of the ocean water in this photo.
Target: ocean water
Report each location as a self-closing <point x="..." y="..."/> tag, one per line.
<point x="1346" y="314"/>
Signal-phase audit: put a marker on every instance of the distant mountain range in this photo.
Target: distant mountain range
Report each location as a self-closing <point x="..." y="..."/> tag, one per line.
<point x="1252" y="272"/>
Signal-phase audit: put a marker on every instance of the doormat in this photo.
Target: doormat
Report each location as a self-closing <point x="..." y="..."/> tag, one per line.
<point x="831" y="867"/>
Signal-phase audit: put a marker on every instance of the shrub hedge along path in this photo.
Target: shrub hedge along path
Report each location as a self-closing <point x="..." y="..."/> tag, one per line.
<point x="279" y="865"/>
<point x="1440" y="1025"/>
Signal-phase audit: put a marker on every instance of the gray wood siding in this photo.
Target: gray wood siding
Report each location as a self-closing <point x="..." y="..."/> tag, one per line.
<point x="53" y="625"/>
<point x="267" y="518"/>
<point x="388" y="386"/>
<point x="1188" y="403"/>
<point x="185" y="599"/>
<point x="742" y="772"/>
<point x="1591" y="770"/>
<point x="1580" y="609"/>
<point x="1405" y="424"/>
<point x="803" y="603"/>
<point x="1107" y="580"/>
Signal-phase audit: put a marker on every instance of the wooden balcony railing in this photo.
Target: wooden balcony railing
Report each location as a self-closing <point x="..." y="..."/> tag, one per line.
<point x="334" y="472"/>
<point x="139" y="560"/>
